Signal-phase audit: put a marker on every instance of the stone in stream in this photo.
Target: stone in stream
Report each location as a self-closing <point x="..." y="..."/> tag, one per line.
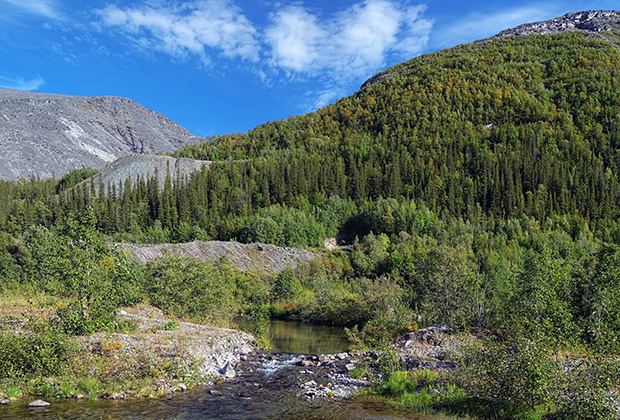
<point x="5" y="401"/>
<point x="228" y="371"/>
<point x="38" y="404"/>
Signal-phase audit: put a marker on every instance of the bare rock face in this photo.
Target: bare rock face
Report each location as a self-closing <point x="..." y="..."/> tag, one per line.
<point x="49" y="135"/>
<point x="590" y="22"/>
<point x="245" y="257"/>
<point x="134" y="167"/>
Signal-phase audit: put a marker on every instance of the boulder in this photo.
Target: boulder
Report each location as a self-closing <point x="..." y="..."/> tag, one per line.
<point x="38" y="404"/>
<point x="228" y="371"/>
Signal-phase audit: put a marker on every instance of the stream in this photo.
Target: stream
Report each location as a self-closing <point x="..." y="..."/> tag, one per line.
<point x="268" y="388"/>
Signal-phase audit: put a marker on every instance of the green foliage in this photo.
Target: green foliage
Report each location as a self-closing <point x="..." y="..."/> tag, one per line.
<point x="503" y="129"/>
<point x="421" y="390"/>
<point x="42" y="349"/>
<point x="171" y="325"/>
<point x="73" y="178"/>
<point x="601" y="294"/>
<point x="187" y="288"/>
<point x="286" y="286"/>
<point x="518" y="374"/>
<point x="99" y="279"/>
<point x="588" y="393"/>
<point x="542" y="308"/>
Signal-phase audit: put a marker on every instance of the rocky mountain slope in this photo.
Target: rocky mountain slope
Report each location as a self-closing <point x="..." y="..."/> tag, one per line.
<point x="49" y="135"/>
<point x="245" y="257"/>
<point x="137" y="166"/>
<point x="591" y="22"/>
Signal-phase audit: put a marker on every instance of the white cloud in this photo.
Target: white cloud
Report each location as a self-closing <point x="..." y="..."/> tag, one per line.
<point x="45" y="8"/>
<point x="299" y="42"/>
<point x="354" y="43"/>
<point x="20" y="83"/>
<point x="347" y="47"/>
<point x="295" y="39"/>
<point x="483" y="25"/>
<point x="190" y="28"/>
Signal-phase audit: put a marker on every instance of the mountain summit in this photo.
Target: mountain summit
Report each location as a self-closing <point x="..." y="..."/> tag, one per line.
<point x="590" y="22"/>
<point x="49" y="135"/>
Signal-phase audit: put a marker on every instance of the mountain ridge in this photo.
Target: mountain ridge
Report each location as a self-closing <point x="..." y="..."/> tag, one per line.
<point x="47" y="135"/>
<point x="589" y="22"/>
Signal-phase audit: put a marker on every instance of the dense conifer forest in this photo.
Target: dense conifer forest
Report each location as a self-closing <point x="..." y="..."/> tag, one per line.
<point x="477" y="185"/>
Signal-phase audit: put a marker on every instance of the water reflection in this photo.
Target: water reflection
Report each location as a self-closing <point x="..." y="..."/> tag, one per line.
<point x="202" y="405"/>
<point x="296" y="337"/>
<point x="301" y="338"/>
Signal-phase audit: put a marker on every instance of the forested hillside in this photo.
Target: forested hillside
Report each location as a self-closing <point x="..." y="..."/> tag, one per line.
<point x="503" y="128"/>
<point x="478" y="185"/>
<point x="506" y="128"/>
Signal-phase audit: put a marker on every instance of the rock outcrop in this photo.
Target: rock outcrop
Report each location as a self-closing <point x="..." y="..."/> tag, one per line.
<point x="590" y="22"/>
<point x="204" y="352"/>
<point x="49" y="135"/>
<point x="38" y="404"/>
<point x="134" y="167"/>
<point x="245" y="257"/>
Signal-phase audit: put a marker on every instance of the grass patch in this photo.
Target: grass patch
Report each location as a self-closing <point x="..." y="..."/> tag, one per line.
<point x="421" y="391"/>
<point x="171" y="326"/>
<point x="11" y="391"/>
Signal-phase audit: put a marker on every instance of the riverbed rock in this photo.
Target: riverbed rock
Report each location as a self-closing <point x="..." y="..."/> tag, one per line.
<point x="437" y="347"/>
<point x="38" y="404"/>
<point x="228" y="371"/>
<point x="200" y="352"/>
<point x="5" y="401"/>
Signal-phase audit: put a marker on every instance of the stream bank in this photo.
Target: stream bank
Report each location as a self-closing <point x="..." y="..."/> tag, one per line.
<point x="219" y="373"/>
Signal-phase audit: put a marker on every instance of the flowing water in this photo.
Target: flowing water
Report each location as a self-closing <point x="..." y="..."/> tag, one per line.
<point x="268" y="389"/>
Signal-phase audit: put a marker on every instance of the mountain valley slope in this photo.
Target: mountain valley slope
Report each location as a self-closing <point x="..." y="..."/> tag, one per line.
<point x="48" y="135"/>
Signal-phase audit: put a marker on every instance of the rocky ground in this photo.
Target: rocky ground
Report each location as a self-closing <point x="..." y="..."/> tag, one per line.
<point x="182" y="354"/>
<point x="199" y="353"/>
<point x="435" y="347"/>
<point x="245" y="257"/>
<point x="330" y="376"/>
<point x="317" y="376"/>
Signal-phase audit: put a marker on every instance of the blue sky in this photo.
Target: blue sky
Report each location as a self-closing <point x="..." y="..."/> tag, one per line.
<point x="219" y="66"/>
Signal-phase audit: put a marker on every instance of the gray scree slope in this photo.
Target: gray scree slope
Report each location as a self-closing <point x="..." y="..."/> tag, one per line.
<point x="134" y="167"/>
<point x="49" y="135"/>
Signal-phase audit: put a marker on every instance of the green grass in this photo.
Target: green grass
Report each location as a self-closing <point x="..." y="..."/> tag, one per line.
<point x="12" y="391"/>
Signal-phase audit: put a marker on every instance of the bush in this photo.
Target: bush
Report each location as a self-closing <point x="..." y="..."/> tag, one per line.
<point x="187" y="288"/>
<point x="42" y="349"/>
<point x="587" y="393"/>
<point x="286" y="286"/>
<point x="421" y="391"/>
<point x="518" y="375"/>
